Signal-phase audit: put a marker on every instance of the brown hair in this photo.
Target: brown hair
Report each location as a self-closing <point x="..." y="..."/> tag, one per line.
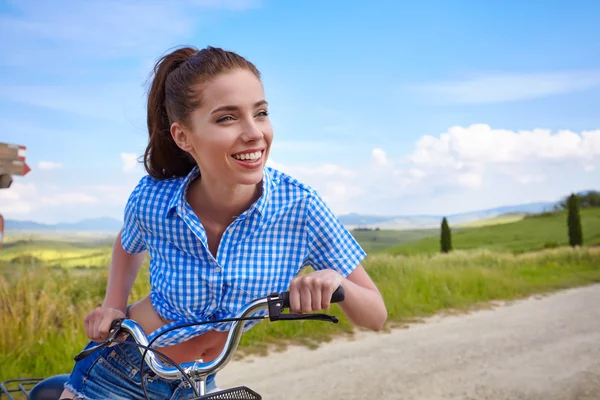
<point x="173" y="95"/>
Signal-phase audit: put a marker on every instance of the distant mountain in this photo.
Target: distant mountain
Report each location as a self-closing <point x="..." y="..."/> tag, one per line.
<point x="352" y="220"/>
<point x="88" y="225"/>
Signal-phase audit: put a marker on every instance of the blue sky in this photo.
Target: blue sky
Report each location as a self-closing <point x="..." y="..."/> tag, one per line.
<point x="385" y="107"/>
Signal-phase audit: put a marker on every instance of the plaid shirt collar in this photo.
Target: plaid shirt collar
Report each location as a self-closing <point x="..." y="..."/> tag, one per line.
<point x="178" y="199"/>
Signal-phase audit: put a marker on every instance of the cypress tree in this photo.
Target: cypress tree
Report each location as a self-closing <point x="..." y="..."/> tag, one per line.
<point x="446" y="239"/>
<point x="574" y="222"/>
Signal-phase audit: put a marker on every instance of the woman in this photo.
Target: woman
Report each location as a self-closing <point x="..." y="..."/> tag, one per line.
<point x="220" y="226"/>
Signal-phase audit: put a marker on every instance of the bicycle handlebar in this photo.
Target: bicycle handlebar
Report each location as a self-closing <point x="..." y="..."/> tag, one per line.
<point x="336" y="297"/>
<point x="274" y="303"/>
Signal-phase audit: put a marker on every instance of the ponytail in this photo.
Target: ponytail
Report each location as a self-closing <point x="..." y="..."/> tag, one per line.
<point x="163" y="158"/>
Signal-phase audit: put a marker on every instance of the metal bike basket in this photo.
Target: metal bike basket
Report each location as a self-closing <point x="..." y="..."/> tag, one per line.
<point x="14" y="386"/>
<point x="238" y="393"/>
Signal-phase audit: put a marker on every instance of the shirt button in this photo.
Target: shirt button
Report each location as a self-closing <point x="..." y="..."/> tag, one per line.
<point x="218" y="269"/>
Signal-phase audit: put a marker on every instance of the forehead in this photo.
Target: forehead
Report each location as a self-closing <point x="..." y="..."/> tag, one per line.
<point x="239" y="87"/>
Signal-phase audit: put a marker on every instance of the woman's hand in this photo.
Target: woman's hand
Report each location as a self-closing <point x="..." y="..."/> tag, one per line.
<point x="313" y="291"/>
<point x="98" y="321"/>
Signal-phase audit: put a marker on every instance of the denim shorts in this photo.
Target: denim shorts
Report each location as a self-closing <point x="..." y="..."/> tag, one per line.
<point x="114" y="373"/>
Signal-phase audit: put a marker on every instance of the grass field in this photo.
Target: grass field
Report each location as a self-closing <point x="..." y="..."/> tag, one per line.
<point x="528" y="234"/>
<point x="377" y="241"/>
<point x="59" y="253"/>
<point x="42" y="309"/>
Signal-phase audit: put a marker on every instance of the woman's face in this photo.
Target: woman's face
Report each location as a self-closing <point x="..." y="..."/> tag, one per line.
<point x="230" y="134"/>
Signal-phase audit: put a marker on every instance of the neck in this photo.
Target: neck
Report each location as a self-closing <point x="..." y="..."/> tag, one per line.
<point x="221" y="202"/>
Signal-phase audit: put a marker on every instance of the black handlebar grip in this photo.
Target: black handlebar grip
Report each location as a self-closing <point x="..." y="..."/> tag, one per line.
<point x="337" y="297"/>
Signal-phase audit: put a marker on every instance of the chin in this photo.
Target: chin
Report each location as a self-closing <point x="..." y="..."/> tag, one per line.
<point x="251" y="178"/>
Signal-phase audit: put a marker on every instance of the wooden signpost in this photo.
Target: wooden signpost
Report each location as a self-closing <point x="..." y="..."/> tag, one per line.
<point x="12" y="163"/>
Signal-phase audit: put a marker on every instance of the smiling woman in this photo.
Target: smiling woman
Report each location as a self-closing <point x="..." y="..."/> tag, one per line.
<point x="221" y="229"/>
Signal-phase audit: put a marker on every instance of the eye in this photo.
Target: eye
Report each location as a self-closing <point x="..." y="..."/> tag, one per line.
<point x="225" y="119"/>
<point x="263" y="113"/>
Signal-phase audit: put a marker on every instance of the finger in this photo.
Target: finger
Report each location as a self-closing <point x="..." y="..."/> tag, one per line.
<point x="97" y="320"/>
<point x="305" y="297"/>
<point x="104" y="326"/>
<point x="327" y="292"/>
<point x="294" y="297"/>
<point x="316" y="294"/>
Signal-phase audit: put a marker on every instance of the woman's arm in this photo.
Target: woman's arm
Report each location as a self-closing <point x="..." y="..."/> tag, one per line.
<point x="363" y="303"/>
<point x="124" y="268"/>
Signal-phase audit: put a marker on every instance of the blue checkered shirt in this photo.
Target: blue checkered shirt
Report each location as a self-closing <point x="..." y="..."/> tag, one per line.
<point x="288" y="228"/>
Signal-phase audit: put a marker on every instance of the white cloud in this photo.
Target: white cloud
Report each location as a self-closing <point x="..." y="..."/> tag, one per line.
<point x="525" y="179"/>
<point x="69" y="198"/>
<point x="493" y="166"/>
<point x="482" y="144"/>
<point x="17" y="200"/>
<point x="499" y="88"/>
<point x="471" y="156"/>
<point x="379" y="157"/>
<point x="130" y="162"/>
<point x="52" y="203"/>
<point x="336" y="184"/>
<point x="49" y="165"/>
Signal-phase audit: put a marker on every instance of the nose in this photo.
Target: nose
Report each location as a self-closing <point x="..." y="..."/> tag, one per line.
<point x="252" y="132"/>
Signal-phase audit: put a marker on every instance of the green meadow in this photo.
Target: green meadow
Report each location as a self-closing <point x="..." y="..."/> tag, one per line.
<point x="528" y="234"/>
<point x="46" y="287"/>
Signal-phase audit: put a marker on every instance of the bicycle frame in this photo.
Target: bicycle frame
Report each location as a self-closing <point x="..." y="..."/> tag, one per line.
<point x="198" y="371"/>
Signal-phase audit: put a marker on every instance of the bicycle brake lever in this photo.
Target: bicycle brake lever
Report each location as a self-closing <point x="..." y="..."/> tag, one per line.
<point x="115" y="328"/>
<point x="319" y="317"/>
<point x="87" y="352"/>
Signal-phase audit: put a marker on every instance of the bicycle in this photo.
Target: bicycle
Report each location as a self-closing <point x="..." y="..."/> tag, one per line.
<point x="194" y="373"/>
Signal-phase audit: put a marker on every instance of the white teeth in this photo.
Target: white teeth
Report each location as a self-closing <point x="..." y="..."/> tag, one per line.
<point x="248" y="156"/>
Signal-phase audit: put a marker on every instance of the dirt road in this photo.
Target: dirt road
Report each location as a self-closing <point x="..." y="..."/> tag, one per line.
<point x="545" y="348"/>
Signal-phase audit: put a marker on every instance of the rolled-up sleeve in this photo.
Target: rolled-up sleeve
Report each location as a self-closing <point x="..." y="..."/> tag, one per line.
<point x="132" y="238"/>
<point x="331" y="245"/>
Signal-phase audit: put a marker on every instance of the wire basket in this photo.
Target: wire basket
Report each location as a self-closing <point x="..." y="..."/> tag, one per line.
<point x="18" y="387"/>
<point x="238" y="393"/>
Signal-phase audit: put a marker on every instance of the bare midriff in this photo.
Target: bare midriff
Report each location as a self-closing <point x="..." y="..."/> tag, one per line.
<point x="205" y="347"/>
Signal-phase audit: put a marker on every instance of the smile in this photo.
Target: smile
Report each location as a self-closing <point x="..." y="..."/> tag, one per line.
<point x="248" y="157"/>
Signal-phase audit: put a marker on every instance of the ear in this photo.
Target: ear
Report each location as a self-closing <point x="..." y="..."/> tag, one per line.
<point x="180" y="136"/>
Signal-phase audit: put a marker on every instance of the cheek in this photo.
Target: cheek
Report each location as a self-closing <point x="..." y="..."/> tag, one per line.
<point x="268" y="132"/>
<point x="211" y="149"/>
<point x="211" y="139"/>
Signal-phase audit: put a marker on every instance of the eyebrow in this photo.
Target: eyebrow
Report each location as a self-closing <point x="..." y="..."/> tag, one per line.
<point x="235" y="108"/>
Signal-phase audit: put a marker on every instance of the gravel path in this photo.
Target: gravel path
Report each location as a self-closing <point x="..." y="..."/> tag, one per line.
<point x="545" y="348"/>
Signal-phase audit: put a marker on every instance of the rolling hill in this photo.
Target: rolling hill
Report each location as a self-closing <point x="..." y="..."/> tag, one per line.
<point x="528" y="234"/>
<point x="411" y="222"/>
